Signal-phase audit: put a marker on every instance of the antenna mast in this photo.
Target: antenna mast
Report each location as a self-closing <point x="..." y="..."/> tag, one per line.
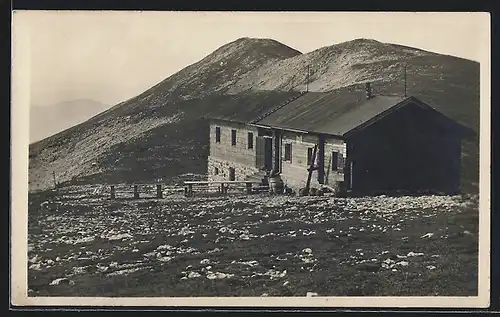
<point x="405" y="79"/>
<point x="307" y="81"/>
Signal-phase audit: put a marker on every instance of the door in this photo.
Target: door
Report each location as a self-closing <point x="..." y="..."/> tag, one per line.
<point x="264" y="150"/>
<point x="268" y="154"/>
<point x="232" y="174"/>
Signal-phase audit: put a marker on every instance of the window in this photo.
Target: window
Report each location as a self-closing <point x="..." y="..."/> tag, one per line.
<point x="233" y="137"/>
<point x="288" y="152"/>
<point x="309" y="155"/>
<point x="335" y="161"/>
<point x="232" y="174"/>
<point x="250" y="140"/>
<point x="216" y="171"/>
<point x="217" y="134"/>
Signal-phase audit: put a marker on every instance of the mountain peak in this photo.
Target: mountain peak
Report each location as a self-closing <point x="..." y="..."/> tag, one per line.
<point x="259" y="40"/>
<point x="363" y="40"/>
<point x="264" y="46"/>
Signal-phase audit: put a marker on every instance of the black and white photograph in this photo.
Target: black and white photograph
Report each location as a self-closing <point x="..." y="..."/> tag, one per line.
<point x="298" y="159"/>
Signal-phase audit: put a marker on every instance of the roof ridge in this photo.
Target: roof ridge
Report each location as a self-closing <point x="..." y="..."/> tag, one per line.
<point x="273" y="110"/>
<point x="390" y="95"/>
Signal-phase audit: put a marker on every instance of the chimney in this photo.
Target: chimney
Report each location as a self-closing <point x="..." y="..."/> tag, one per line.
<point x="368" y="90"/>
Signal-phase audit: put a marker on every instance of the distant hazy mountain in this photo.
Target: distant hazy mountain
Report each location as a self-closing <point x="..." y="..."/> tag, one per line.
<point x="49" y="120"/>
<point x="159" y="133"/>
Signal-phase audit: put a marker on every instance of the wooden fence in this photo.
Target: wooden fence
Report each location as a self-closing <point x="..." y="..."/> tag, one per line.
<point x="137" y="191"/>
<point x="159" y="191"/>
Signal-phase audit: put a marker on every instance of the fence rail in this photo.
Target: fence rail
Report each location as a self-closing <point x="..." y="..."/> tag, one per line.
<point x="137" y="191"/>
<point x="158" y="191"/>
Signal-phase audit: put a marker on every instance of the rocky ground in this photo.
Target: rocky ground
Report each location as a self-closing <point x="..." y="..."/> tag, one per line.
<point x="81" y="243"/>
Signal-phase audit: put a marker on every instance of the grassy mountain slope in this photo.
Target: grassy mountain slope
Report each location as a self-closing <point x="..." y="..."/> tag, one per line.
<point x="159" y="134"/>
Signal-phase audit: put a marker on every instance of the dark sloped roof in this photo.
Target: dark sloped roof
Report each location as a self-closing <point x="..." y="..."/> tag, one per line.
<point x="359" y="114"/>
<point x="338" y="112"/>
<point x="342" y="111"/>
<point x="248" y="106"/>
<point x="334" y="112"/>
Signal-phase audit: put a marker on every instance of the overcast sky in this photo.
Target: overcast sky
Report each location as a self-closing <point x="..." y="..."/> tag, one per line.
<point x="112" y="56"/>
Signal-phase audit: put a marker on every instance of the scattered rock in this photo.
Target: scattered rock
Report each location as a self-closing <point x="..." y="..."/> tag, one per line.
<point x="250" y="263"/>
<point x="307" y="250"/>
<point x="204" y="261"/>
<point x="79" y="269"/>
<point x="164" y="247"/>
<point x="36" y="267"/>
<point x="34" y="259"/>
<point x="165" y="259"/>
<point x="193" y="275"/>
<point x="427" y="235"/>
<point x="311" y="294"/>
<point x="308" y="260"/>
<point x="121" y="236"/>
<point x="62" y="280"/>
<point x="218" y="276"/>
<point x="101" y="268"/>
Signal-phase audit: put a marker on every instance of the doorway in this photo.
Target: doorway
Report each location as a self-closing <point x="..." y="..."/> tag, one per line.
<point x="264" y="152"/>
<point x="232" y="174"/>
<point x="268" y="153"/>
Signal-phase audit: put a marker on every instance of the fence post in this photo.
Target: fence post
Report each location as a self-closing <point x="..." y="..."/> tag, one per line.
<point x="136" y="192"/>
<point x="113" y="195"/>
<point x="159" y="193"/>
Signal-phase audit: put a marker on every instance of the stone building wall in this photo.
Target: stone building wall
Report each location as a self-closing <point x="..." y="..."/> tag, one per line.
<point x="224" y="155"/>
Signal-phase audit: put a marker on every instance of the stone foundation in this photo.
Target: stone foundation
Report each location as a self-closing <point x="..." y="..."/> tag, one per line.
<point x="241" y="171"/>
